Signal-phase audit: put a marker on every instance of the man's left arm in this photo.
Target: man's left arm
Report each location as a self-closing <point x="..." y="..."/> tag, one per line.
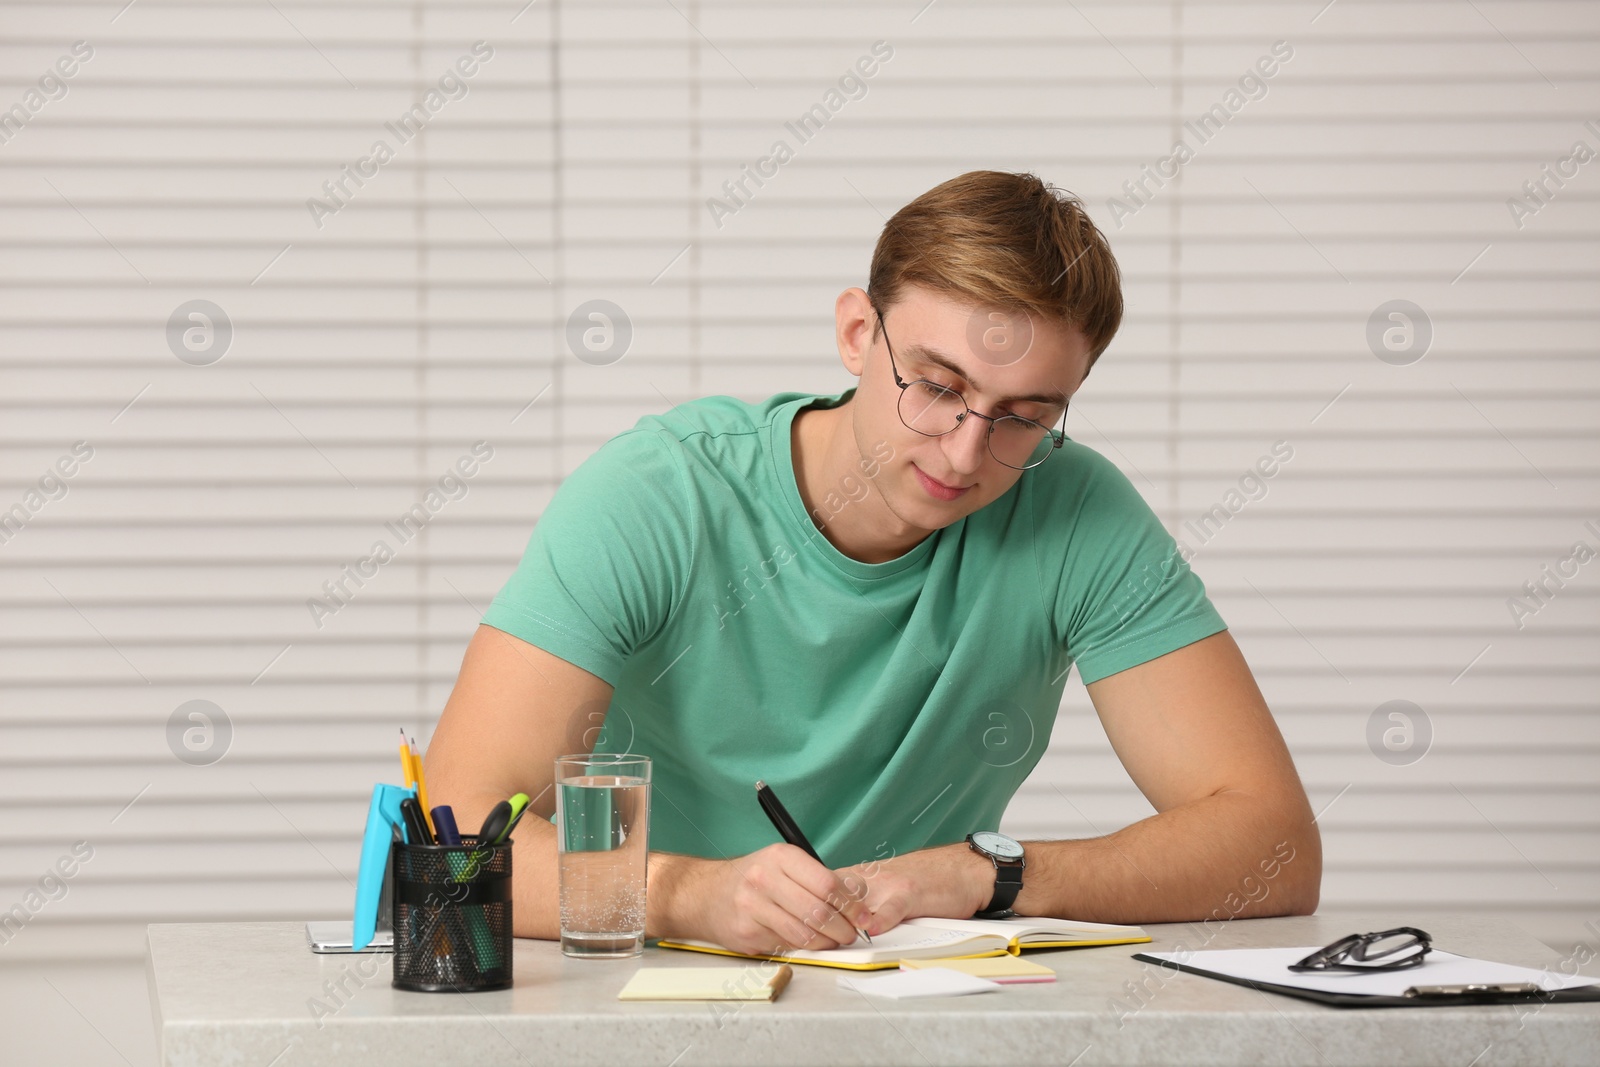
<point x="1233" y="834"/>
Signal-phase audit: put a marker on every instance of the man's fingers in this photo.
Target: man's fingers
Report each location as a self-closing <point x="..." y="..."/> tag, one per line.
<point x="854" y="901"/>
<point x="855" y="912"/>
<point x="785" y="907"/>
<point x="845" y="903"/>
<point x="811" y="906"/>
<point x="851" y="898"/>
<point x="818" y="913"/>
<point x="883" y="905"/>
<point x="812" y="894"/>
<point x="889" y="914"/>
<point x="854" y="882"/>
<point x="774" y="941"/>
<point x="795" y="929"/>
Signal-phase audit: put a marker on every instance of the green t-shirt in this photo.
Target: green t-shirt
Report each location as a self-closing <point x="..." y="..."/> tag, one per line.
<point x="892" y="706"/>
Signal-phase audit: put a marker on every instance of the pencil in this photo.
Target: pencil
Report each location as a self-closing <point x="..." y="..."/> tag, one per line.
<point x="408" y="751"/>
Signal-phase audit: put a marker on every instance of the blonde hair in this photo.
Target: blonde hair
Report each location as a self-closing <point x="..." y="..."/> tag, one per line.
<point x="997" y="239"/>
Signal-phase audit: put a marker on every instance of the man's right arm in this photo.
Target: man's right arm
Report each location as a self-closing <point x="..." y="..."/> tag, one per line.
<point x="514" y="709"/>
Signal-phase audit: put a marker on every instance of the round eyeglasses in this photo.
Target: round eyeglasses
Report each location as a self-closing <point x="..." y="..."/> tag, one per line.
<point x="935" y="410"/>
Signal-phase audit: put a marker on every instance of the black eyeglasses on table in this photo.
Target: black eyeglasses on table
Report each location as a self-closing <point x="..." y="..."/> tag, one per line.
<point x="1387" y="950"/>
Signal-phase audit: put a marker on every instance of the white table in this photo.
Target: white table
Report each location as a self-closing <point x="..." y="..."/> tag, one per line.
<point x="245" y="993"/>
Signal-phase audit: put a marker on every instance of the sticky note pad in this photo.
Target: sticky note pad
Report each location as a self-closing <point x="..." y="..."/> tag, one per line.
<point x="707" y="983"/>
<point x="994" y="968"/>
<point x="928" y="982"/>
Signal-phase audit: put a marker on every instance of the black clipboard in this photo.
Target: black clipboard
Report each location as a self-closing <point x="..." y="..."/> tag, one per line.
<point x="1468" y="995"/>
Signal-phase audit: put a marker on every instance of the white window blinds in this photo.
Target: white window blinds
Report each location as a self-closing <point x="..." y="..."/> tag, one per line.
<point x="382" y="358"/>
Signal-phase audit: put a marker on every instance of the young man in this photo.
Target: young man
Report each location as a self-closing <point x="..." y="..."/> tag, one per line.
<point x="871" y="601"/>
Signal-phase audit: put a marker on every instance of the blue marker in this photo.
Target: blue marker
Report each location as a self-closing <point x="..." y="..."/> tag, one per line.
<point x="444" y="825"/>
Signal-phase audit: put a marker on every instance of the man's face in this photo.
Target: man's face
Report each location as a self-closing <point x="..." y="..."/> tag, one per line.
<point x="1001" y="363"/>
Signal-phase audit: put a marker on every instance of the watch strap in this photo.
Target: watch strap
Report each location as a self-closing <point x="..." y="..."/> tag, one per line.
<point x="1007" y="884"/>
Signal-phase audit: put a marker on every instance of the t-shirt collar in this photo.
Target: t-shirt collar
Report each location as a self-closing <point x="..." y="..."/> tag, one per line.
<point x="781" y="450"/>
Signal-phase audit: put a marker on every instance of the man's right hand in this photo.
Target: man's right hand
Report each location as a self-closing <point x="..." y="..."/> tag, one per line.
<point x="775" y="900"/>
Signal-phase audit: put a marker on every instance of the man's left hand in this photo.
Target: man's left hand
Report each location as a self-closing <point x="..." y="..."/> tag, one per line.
<point x="946" y="882"/>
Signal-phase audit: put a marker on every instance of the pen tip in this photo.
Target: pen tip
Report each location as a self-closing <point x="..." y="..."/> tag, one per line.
<point x="760" y="784"/>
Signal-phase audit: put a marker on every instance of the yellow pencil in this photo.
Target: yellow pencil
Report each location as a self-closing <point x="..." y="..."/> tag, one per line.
<point x="422" y="788"/>
<point x="405" y="761"/>
<point x="411" y="766"/>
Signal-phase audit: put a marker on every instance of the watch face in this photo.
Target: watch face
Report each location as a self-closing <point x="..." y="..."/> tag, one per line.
<point x="997" y="844"/>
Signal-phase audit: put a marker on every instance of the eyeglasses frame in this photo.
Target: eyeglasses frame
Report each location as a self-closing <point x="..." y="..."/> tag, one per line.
<point x="1331" y="957"/>
<point x="1057" y="437"/>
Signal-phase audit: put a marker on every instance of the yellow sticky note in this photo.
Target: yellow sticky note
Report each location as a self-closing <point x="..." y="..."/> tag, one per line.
<point x="994" y="968"/>
<point x="707" y="983"/>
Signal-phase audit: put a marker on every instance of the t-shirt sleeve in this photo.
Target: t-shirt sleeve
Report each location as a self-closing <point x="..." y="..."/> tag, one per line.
<point x="1126" y="594"/>
<point x="607" y="561"/>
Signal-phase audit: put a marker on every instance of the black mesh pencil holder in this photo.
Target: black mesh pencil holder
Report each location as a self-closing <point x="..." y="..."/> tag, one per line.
<point x="452" y="917"/>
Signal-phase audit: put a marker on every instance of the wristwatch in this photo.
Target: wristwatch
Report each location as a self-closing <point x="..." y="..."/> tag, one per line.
<point x="1006" y="855"/>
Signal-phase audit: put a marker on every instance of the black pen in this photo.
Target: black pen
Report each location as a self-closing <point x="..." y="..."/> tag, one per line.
<point x="788" y="829"/>
<point x="416" y="825"/>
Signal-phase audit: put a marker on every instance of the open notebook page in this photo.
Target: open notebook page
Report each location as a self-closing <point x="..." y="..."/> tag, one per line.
<point x="893" y="944"/>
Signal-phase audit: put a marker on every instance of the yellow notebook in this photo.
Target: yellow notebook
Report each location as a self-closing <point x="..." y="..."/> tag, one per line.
<point x="926" y="939"/>
<point x="706" y="983"/>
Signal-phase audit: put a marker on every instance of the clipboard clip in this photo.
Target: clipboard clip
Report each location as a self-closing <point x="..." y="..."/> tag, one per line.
<point x="1473" y="989"/>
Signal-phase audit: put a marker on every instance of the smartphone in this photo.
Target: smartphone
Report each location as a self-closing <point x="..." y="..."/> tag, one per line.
<point x="335" y="936"/>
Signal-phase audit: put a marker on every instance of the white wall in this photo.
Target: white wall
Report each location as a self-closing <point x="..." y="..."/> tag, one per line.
<point x="369" y="353"/>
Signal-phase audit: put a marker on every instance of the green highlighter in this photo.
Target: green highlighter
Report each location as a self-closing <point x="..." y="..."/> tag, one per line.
<point x="503" y="818"/>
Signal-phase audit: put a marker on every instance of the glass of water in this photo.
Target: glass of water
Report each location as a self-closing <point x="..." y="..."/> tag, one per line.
<point x="603" y="831"/>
